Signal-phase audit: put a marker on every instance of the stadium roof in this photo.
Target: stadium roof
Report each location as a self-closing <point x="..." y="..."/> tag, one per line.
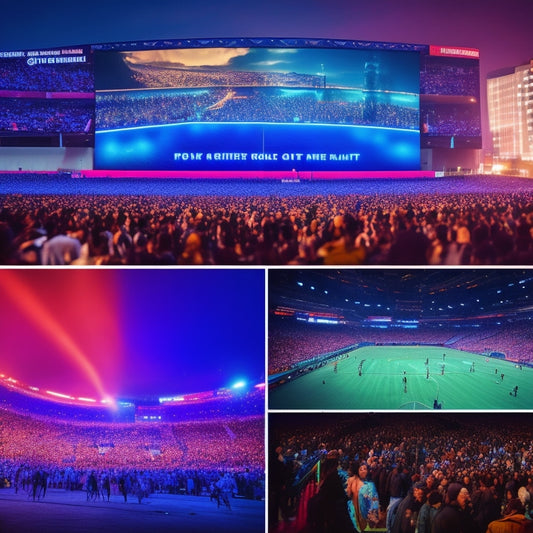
<point x="412" y="293"/>
<point x="261" y="42"/>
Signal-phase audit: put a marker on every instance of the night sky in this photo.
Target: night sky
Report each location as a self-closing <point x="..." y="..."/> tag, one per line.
<point x="501" y="29"/>
<point x="132" y="332"/>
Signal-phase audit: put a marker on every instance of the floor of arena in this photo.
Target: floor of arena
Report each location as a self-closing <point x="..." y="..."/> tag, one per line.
<point x="64" y="512"/>
<point x="468" y="381"/>
<point x="55" y="184"/>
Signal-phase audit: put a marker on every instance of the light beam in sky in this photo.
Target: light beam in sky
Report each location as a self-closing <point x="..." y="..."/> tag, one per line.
<point x="33" y="308"/>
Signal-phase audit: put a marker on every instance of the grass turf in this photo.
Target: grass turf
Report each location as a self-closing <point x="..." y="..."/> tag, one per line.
<point x="381" y="386"/>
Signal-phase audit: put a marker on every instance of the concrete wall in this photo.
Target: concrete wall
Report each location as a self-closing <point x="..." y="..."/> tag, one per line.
<point x="51" y="159"/>
<point x="447" y="160"/>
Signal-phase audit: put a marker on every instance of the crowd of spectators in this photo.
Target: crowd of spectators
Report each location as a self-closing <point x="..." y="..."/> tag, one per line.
<point x="225" y="443"/>
<point x="513" y="340"/>
<point x="489" y="455"/>
<point x="147" y="108"/>
<point x="165" y="455"/>
<point x="291" y="343"/>
<point x="407" y="228"/>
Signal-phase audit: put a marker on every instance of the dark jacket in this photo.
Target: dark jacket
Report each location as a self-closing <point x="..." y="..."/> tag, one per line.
<point x="452" y="519"/>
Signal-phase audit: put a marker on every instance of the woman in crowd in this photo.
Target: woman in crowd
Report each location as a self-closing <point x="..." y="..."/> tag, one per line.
<point x="364" y="503"/>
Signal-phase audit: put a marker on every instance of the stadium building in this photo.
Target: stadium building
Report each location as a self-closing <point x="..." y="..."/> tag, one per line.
<point x="211" y="108"/>
<point x="510" y="103"/>
<point x="293" y="121"/>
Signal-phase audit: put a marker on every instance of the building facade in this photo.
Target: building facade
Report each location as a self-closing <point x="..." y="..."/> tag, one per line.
<point x="510" y="107"/>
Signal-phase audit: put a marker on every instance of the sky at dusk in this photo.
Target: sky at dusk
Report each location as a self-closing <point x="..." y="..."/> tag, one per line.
<point x="132" y="332"/>
<point x="501" y="29"/>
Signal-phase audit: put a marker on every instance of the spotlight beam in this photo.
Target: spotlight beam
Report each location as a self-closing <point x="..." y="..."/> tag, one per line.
<point x="28" y="302"/>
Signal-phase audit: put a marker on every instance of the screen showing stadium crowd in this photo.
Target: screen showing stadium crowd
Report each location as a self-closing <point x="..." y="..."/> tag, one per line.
<point x="17" y="75"/>
<point x="43" y="115"/>
<point x="47" y="95"/>
<point x="160" y="77"/>
<point x="449" y="76"/>
<point x="378" y="226"/>
<point x="489" y="458"/>
<point x="449" y="102"/>
<point x="332" y="106"/>
<point x="451" y="120"/>
<point x="240" y="93"/>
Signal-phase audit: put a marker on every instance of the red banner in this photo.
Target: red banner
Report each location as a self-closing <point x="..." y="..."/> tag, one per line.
<point x="453" y="51"/>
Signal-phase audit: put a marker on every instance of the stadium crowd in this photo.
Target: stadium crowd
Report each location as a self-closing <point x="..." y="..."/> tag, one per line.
<point x="164" y="455"/>
<point x="440" y="228"/>
<point x="411" y="461"/>
<point x="513" y="340"/>
<point x="146" y="108"/>
<point x="291" y="342"/>
<point x="234" y="444"/>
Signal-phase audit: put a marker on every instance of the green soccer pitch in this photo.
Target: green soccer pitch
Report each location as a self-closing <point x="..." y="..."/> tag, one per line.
<point x="469" y="381"/>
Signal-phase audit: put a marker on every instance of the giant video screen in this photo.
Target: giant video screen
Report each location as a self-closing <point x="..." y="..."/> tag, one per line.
<point x="257" y="108"/>
<point x="450" y="113"/>
<point x="47" y="97"/>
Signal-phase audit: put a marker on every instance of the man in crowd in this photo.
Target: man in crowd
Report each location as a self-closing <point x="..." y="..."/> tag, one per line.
<point x="513" y="520"/>
<point x="456" y="515"/>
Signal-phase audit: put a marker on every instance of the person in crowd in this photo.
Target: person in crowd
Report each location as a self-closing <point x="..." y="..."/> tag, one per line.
<point x="364" y="503"/>
<point x="485" y="502"/>
<point x="397" y="488"/>
<point x="226" y="486"/>
<point x="513" y="520"/>
<point x="428" y="511"/>
<point x="328" y="509"/>
<point x="456" y="514"/>
<point x="407" y="511"/>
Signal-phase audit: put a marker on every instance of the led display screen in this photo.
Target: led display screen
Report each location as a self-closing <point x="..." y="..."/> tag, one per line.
<point x="449" y="102"/>
<point x="257" y="108"/>
<point x="47" y="97"/>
